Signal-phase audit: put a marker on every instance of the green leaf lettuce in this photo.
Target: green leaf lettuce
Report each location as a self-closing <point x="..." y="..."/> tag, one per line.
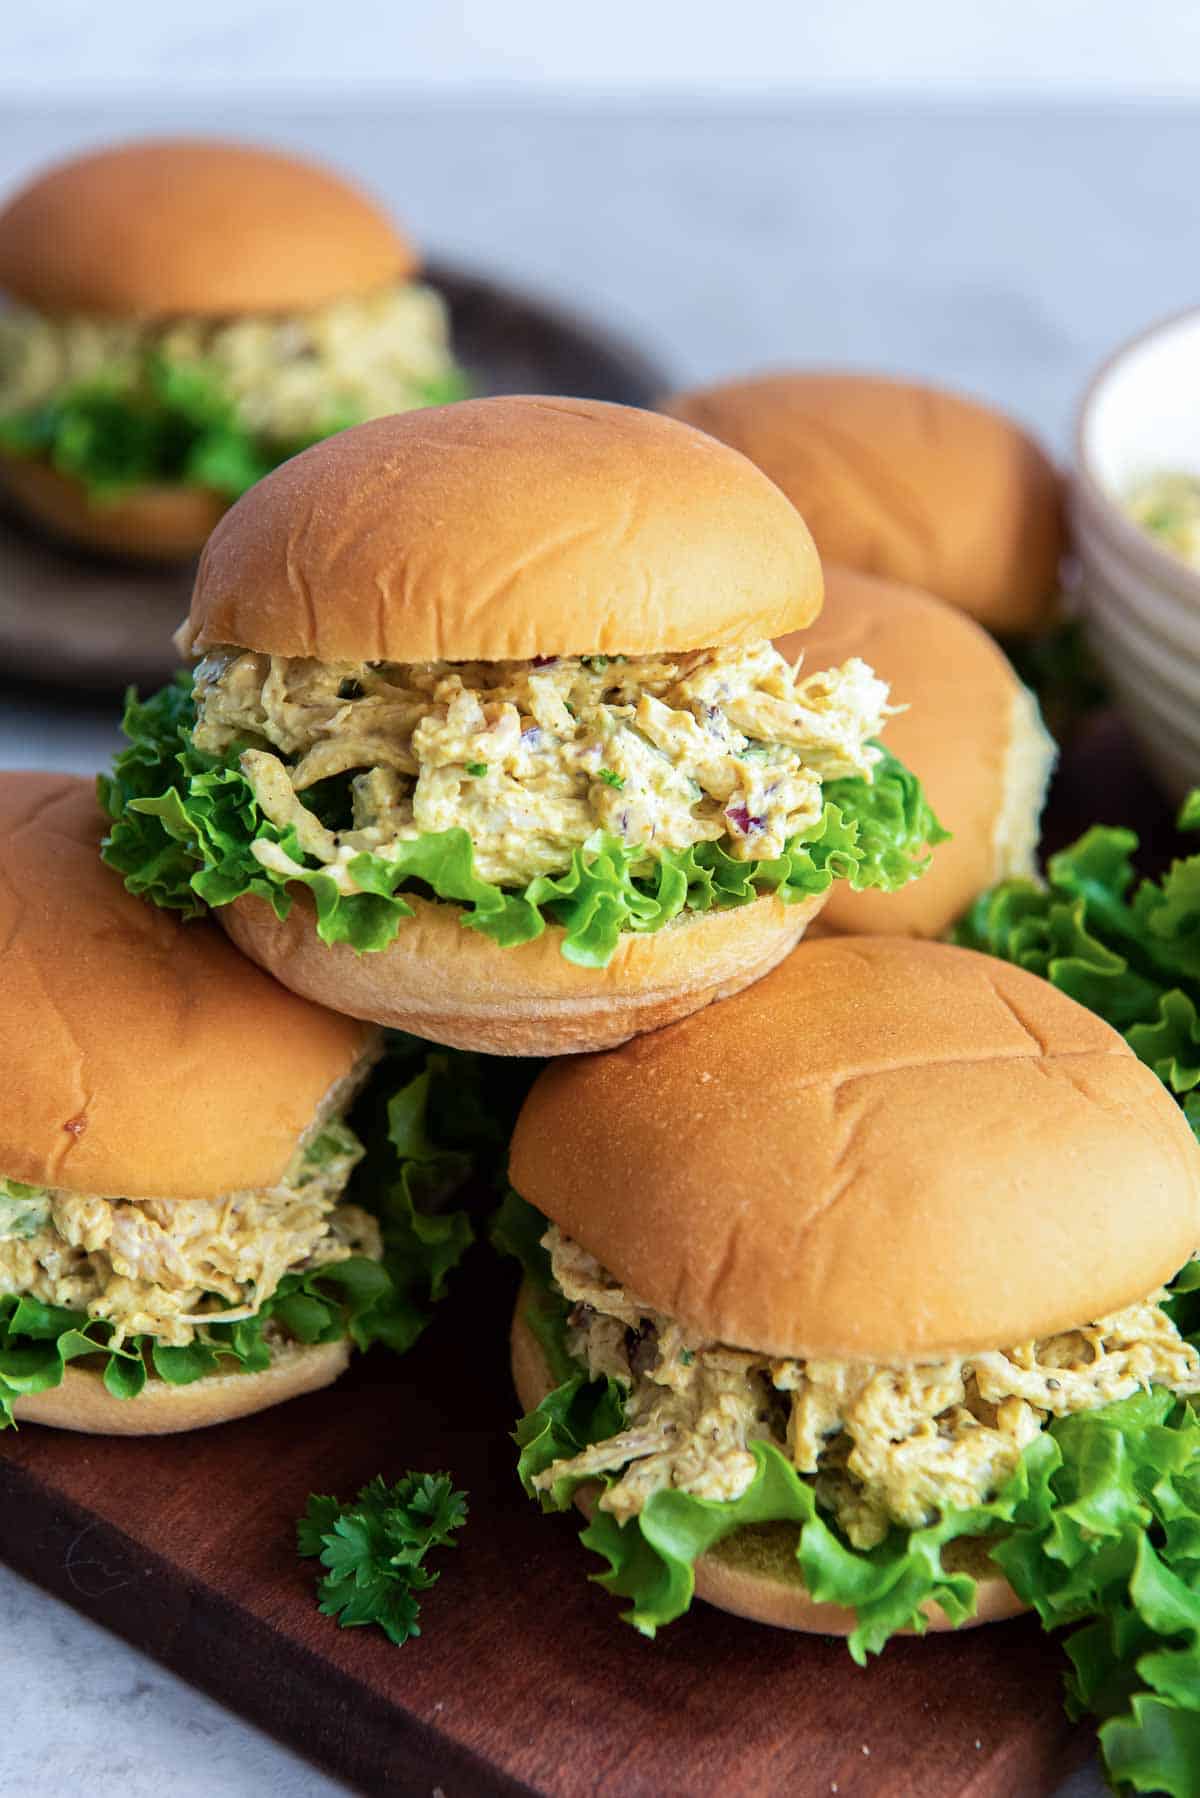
<point x="431" y="1119"/>
<point x="1127" y="949"/>
<point x="1098" y="1530"/>
<point x="163" y="422"/>
<point x="183" y="826"/>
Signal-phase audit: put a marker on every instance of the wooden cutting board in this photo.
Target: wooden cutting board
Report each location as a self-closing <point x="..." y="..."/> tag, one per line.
<point x="525" y="1680"/>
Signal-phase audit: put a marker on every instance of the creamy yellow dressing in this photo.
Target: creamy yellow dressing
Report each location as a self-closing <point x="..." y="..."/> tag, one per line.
<point x="885" y="1445"/>
<point x="289" y="378"/>
<point x="531" y="758"/>
<point x="163" y="1267"/>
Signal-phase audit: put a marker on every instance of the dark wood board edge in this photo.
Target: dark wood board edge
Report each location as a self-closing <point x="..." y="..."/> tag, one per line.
<point x="304" y="1702"/>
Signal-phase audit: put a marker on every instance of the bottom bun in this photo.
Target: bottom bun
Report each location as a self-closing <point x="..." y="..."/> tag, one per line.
<point x="148" y="524"/>
<point x="83" y="1402"/>
<point x="754" y="1572"/>
<point x="452" y="985"/>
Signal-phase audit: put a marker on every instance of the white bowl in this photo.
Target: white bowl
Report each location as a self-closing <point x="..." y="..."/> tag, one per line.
<point x="1141" y="416"/>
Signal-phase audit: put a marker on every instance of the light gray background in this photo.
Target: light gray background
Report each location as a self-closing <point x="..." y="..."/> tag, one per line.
<point x="1001" y="246"/>
<point x="702" y="46"/>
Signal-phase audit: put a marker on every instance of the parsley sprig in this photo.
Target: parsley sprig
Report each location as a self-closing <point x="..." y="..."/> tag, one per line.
<point x="374" y="1549"/>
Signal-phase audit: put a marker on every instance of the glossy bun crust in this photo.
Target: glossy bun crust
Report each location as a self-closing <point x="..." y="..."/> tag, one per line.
<point x="887" y="1150"/>
<point x="171" y="226"/>
<point x="968" y="729"/>
<point x="906" y="481"/>
<point x="502" y="529"/>
<point x="143" y="1057"/>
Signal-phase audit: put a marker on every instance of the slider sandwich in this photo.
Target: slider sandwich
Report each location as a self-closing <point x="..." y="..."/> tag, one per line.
<point x="186" y="1232"/>
<point x="847" y="1305"/>
<point x="487" y="740"/>
<point x="183" y="315"/>
<point x="968" y="729"/>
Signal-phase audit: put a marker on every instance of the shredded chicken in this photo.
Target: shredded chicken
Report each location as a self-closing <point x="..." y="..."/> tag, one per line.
<point x="531" y="758"/>
<point x="885" y="1445"/>
<point x="289" y="377"/>
<point x="163" y="1267"/>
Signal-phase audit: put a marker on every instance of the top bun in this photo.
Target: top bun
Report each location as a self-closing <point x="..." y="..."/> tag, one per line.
<point x="502" y="529"/>
<point x="183" y="225"/>
<point x="970" y="731"/>
<point x="905" y="481"/>
<point x="886" y="1150"/>
<point x="143" y="1057"/>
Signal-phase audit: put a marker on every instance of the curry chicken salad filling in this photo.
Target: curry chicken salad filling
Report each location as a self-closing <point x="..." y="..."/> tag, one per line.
<point x="531" y="759"/>
<point x="167" y="1268"/>
<point x="884" y="1445"/>
<point x="88" y="389"/>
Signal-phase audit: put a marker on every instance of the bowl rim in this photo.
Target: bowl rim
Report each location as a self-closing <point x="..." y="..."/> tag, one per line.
<point x="1155" y="563"/>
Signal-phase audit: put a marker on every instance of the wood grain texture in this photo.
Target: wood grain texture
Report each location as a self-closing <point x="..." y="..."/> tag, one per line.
<point x="525" y="1680"/>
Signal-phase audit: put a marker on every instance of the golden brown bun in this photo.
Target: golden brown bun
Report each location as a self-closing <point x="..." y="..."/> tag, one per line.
<point x="187" y="225"/>
<point x="886" y="1150"/>
<point x="452" y="985"/>
<point x="971" y="732"/>
<point x="754" y="1572"/>
<point x="151" y="524"/>
<point x="82" y="1402"/>
<point x="905" y="481"/>
<point x="502" y="529"/>
<point x="142" y="1057"/>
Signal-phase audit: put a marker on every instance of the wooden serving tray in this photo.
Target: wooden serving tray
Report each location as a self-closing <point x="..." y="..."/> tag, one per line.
<point x="525" y="1680"/>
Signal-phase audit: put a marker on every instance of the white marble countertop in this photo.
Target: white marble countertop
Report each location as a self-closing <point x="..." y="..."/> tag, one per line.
<point x="1003" y="249"/>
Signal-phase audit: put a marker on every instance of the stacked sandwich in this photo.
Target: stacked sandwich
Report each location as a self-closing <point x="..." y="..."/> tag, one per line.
<point x="485" y="738"/>
<point x="857" y="1269"/>
<point x="848" y="1306"/>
